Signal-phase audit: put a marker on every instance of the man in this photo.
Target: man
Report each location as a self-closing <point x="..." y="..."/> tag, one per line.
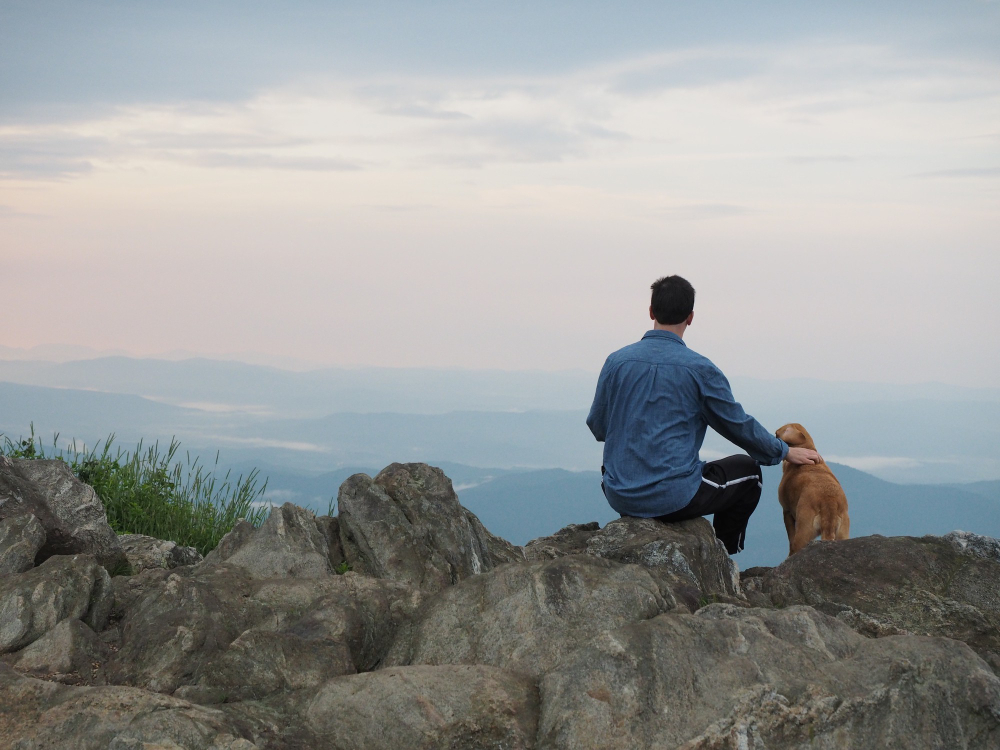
<point x="654" y="401"/>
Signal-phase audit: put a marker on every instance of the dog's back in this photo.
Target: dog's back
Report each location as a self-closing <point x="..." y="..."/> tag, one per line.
<point x="813" y="502"/>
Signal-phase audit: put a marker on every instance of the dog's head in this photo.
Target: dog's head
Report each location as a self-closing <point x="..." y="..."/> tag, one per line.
<point x="795" y="435"/>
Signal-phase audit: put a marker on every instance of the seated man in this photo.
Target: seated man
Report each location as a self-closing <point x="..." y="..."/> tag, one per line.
<point x="654" y="400"/>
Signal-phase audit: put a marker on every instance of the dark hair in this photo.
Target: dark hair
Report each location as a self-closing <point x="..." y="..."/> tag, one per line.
<point x="673" y="300"/>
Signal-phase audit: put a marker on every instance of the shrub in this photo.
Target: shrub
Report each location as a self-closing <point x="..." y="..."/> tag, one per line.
<point x="149" y="491"/>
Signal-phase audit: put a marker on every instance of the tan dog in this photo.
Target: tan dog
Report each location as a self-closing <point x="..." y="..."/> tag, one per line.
<point x="812" y="499"/>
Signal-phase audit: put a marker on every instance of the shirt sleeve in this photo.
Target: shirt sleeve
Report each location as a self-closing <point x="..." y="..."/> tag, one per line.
<point x="597" y="420"/>
<point x="726" y="416"/>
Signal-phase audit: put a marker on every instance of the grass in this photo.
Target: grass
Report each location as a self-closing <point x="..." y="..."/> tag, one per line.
<point x="150" y="491"/>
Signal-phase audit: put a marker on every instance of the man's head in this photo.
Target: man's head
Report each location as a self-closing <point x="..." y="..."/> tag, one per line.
<point x="672" y="302"/>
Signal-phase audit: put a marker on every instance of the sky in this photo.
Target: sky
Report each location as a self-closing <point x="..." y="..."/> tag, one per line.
<point x="487" y="185"/>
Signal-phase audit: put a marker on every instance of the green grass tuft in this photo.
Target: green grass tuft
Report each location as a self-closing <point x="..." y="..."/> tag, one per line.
<point x="149" y="491"/>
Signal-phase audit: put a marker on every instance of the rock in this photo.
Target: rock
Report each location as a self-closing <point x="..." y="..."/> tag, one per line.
<point x="62" y="587"/>
<point x="287" y="545"/>
<point x="259" y="663"/>
<point x="734" y="678"/>
<point x="460" y="707"/>
<point x="942" y="586"/>
<point x="145" y="552"/>
<point x="684" y="558"/>
<point x="976" y="545"/>
<point x="527" y="617"/>
<point x="180" y="630"/>
<point x="70" y="647"/>
<point x="407" y="525"/>
<point x="36" y="714"/>
<point x="329" y="527"/>
<point x="69" y="510"/>
<point x="21" y="537"/>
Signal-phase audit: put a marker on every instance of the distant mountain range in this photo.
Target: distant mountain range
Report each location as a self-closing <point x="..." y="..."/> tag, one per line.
<point x="515" y="443"/>
<point x="524" y="505"/>
<point x="322" y="420"/>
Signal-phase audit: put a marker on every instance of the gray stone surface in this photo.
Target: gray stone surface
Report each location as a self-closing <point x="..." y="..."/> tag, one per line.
<point x="417" y="708"/>
<point x="927" y="586"/>
<point x="684" y="558"/>
<point x="70" y="512"/>
<point x="144" y="552"/>
<point x="179" y="630"/>
<point x="527" y="617"/>
<point x="750" y="679"/>
<point x="260" y="663"/>
<point x="63" y="587"/>
<point x="21" y="537"/>
<point x="38" y="715"/>
<point x="70" y="649"/>
<point x="407" y="525"/>
<point x="288" y="544"/>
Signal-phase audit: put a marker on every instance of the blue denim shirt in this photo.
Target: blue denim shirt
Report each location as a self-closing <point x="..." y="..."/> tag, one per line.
<point x="654" y="400"/>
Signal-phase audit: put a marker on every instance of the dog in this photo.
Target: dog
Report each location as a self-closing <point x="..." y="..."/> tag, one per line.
<point x="812" y="500"/>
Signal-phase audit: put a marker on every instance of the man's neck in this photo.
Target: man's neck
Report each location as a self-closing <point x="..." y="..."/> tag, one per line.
<point x="677" y="330"/>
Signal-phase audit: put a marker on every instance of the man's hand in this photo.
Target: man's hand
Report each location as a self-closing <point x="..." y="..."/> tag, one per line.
<point x="802" y="456"/>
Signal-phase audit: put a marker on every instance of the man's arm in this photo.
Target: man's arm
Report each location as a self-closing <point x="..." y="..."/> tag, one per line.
<point x="597" y="420"/>
<point x="727" y="417"/>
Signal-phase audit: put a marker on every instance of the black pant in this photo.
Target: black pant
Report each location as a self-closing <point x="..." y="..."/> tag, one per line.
<point x="730" y="489"/>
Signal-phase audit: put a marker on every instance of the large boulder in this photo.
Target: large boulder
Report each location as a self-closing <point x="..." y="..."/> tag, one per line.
<point x="943" y="586"/>
<point x="21" y="537"/>
<point x="527" y="617"/>
<point x="288" y="544"/>
<point x="731" y="678"/>
<point x="63" y="587"/>
<point x="145" y="552"/>
<point x="685" y="558"/>
<point x="70" y="652"/>
<point x="69" y="510"/>
<point x="407" y="525"/>
<point x="37" y="714"/>
<point x="200" y="627"/>
<point x="418" y="708"/>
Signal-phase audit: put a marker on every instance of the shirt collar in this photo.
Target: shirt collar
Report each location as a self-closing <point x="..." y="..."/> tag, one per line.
<point x="658" y="334"/>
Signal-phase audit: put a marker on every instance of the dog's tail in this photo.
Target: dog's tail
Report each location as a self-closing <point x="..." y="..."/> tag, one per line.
<point x="829" y="520"/>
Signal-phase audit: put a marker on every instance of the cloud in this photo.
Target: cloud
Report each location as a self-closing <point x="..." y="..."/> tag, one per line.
<point x="973" y="172"/>
<point x="45" y="156"/>
<point x="707" y="211"/>
<point x="819" y="159"/>
<point x="289" y="445"/>
<point x="423" y="111"/>
<point x="267" y="161"/>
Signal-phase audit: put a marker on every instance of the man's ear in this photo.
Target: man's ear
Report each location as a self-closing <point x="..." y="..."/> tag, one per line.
<point x="651" y="316"/>
<point x="690" y="317"/>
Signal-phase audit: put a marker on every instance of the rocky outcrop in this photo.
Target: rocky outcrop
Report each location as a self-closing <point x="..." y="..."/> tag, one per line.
<point x="407" y="525"/>
<point x="288" y="544"/>
<point x="685" y="559"/>
<point x="941" y="586"/>
<point x="736" y="678"/>
<point x="418" y="707"/>
<point x="36" y="714"/>
<point x="69" y="510"/>
<point x="145" y="552"/>
<point x="21" y="537"/>
<point x="444" y="636"/>
<point x="62" y="587"/>
<point x="70" y="652"/>
<point x="196" y="626"/>
<point x="527" y="617"/>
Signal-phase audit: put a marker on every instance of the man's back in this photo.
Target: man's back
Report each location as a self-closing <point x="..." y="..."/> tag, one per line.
<point x="654" y="401"/>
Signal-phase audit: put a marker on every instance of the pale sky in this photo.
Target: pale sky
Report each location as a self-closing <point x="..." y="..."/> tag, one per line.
<point x="489" y="185"/>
